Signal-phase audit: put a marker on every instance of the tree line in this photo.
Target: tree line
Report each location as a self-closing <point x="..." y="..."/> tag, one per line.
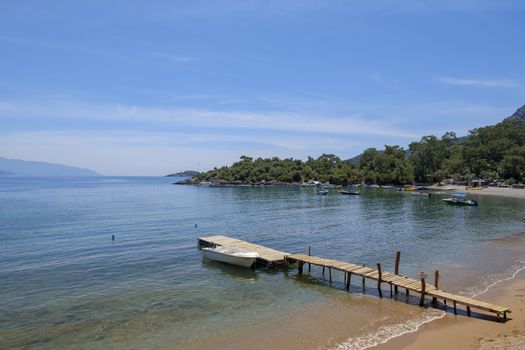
<point x="490" y="153"/>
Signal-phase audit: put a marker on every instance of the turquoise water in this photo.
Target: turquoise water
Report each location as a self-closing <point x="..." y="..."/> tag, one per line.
<point x="65" y="283"/>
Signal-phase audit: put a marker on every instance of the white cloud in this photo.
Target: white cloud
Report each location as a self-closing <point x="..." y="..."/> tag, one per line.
<point x="154" y="153"/>
<point x="254" y="120"/>
<point x="173" y="57"/>
<point x="490" y="83"/>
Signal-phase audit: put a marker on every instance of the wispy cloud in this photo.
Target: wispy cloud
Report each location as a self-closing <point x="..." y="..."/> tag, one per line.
<point x="173" y="57"/>
<point x="318" y="123"/>
<point x="488" y="83"/>
<point x="109" y="152"/>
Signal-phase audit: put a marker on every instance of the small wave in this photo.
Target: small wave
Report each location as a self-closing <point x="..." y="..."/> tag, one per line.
<point x="513" y="275"/>
<point x="388" y="332"/>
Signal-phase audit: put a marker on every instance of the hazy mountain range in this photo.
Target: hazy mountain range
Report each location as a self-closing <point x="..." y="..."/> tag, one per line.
<point x="17" y="167"/>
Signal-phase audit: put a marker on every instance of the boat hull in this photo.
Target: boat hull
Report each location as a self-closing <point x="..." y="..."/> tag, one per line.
<point x="350" y="193"/>
<point x="451" y="201"/>
<point x="244" y="261"/>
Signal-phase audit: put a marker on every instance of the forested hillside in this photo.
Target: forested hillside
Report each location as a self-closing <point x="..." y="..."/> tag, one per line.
<point x="490" y="152"/>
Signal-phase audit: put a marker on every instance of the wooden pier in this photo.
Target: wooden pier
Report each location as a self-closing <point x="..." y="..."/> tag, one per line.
<point x="270" y="257"/>
<point x="267" y="256"/>
<point x="395" y="281"/>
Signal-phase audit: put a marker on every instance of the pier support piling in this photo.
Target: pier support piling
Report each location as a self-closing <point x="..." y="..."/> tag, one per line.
<point x="422" y="297"/>
<point x="379" y="280"/>
<point x="348" y="277"/>
<point x="436" y="284"/>
<point x="396" y="266"/>
<point x="309" y="254"/>
<point x="364" y="282"/>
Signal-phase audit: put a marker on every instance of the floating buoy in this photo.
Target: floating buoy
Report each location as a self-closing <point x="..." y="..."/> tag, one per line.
<point x="196" y="225"/>
<point x="113" y="238"/>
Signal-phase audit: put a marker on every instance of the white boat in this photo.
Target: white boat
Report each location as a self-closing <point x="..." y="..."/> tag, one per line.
<point x="232" y="256"/>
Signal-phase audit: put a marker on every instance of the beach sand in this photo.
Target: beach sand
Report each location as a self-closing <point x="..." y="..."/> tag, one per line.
<point x="489" y="191"/>
<point x="460" y="332"/>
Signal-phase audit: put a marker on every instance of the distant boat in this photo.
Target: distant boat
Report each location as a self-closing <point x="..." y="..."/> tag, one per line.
<point x="349" y="193"/>
<point x="458" y="199"/>
<point x="424" y="194"/>
<point x="322" y="192"/>
<point x="231" y="256"/>
<point x="408" y="188"/>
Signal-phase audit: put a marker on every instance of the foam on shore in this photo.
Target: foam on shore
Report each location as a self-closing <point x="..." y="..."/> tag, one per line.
<point x="385" y="333"/>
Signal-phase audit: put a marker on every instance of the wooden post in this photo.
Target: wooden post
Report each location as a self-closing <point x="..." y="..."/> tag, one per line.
<point x="422" y="298"/>
<point x="348" y="277"/>
<point x="455" y="308"/>
<point x="379" y="280"/>
<point x="436" y="284"/>
<point x="330" y="274"/>
<point x="285" y="265"/>
<point x="396" y="267"/>
<point x="309" y="254"/>
<point x="300" y="267"/>
<point x="323" y="272"/>
<point x="364" y="285"/>
<point x="391" y="293"/>
<point x="468" y="311"/>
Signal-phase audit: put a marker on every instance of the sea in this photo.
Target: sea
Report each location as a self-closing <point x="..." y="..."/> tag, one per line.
<point x="113" y="263"/>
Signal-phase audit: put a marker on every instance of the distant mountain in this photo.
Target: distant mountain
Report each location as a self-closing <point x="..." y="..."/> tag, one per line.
<point x="17" y="167"/>
<point x="187" y="173"/>
<point x="519" y="114"/>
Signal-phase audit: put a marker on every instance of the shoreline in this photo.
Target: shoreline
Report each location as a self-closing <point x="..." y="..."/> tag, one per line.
<point x="460" y="332"/>
<point x="484" y="191"/>
<point x="489" y="191"/>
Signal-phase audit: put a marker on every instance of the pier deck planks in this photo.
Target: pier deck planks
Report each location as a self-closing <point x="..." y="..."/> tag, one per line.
<point x="271" y="257"/>
<point x="399" y="281"/>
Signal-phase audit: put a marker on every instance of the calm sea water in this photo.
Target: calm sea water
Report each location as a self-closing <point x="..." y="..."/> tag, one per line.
<point x="66" y="284"/>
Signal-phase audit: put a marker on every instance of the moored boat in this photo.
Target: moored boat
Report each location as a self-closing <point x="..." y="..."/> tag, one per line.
<point x="230" y="255"/>
<point x="461" y="201"/>
<point x="349" y="192"/>
<point x="458" y="199"/>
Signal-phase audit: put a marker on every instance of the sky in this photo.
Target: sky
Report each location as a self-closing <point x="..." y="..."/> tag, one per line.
<point x="155" y="87"/>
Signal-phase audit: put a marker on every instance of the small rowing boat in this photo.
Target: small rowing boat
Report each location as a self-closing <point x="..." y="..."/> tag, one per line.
<point x="230" y="255"/>
<point x="349" y="193"/>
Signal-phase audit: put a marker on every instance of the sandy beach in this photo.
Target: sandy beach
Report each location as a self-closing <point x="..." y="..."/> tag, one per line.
<point x="460" y="332"/>
<point x="488" y="191"/>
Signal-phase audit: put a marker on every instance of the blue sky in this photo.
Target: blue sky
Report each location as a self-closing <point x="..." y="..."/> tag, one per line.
<point x="151" y="87"/>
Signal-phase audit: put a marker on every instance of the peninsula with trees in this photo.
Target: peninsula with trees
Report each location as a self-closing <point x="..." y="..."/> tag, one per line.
<point x="491" y="153"/>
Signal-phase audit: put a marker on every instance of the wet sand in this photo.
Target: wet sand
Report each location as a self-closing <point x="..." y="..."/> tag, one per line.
<point x="460" y="332"/>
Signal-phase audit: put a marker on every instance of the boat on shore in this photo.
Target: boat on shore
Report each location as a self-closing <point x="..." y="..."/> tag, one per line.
<point x="230" y="255"/>
<point x="458" y="199"/>
<point x="345" y="192"/>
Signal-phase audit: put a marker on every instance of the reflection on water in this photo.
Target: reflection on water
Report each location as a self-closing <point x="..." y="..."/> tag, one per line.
<point x="231" y="271"/>
<point x="66" y="284"/>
